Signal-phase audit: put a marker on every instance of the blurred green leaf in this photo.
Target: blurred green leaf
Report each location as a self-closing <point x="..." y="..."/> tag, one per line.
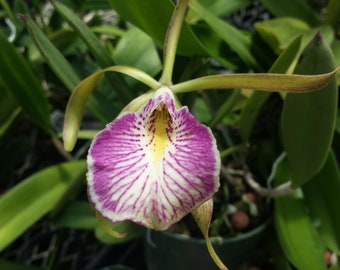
<point x="7" y="9"/>
<point x="292" y="8"/>
<point x="308" y="120"/>
<point x="144" y="56"/>
<point x="297" y="236"/>
<point x="7" y="265"/>
<point x="34" y="197"/>
<point x="280" y="32"/>
<point x="152" y="17"/>
<point x="225" y="108"/>
<point x="99" y="51"/>
<point x="219" y="7"/>
<point x="239" y="42"/>
<point x="132" y="231"/>
<point x="98" y="104"/>
<point x="254" y="104"/>
<point x="322" y="194"/>
<point x="333" y="14"/>
<point x="77" y="215"/>
<point x="9" y="109"/>
<point x="84" y="5"/>
<point x="10" y="119"/>
<point x="19" y="79"/>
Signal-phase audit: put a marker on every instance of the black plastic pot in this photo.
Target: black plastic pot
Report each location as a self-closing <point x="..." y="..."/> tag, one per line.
<point x="169" y="251"/>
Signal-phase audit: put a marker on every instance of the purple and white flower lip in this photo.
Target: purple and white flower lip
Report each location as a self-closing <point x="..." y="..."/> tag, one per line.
<point x="153" y="166"/>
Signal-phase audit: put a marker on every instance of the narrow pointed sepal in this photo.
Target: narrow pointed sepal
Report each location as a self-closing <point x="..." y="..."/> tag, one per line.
<point x="153" y="166"/>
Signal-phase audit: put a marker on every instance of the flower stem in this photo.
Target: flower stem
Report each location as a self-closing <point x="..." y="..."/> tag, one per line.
<point x="171" y="41"/>
<point x="213" y="254"/>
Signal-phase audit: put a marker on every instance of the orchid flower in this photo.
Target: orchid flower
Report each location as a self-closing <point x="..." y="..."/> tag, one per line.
<point x="153" y="166"/>
<point x="155" y="163"/>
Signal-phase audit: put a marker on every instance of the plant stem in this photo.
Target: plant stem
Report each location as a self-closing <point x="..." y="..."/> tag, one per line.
<point x="213" y="254"/>
<point x="171" y="41"/>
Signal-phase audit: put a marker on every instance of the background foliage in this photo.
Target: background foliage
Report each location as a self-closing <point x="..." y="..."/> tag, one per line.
<point x="47" y="48"/>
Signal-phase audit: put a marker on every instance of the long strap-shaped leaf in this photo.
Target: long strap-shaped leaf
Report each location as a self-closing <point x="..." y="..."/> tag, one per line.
<point x="30" y="200"/>
<point x="19" y="79"/>
<point x="296" y="233"/>
<point x="103" y="58"/>
<point x="322" y="196"/>
<point x="97" y="103"/>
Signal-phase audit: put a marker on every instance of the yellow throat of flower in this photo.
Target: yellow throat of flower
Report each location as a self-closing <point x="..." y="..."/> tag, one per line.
<point x="162" y="118"/>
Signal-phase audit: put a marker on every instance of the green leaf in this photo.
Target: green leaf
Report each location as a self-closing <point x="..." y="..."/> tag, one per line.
<point x="9" y="110"/>
<point x="219" y="7"/>
<point x="254" y="104"/>
<point x="19" y="79"/>
<point x="308" y="120"/>
<point x="333" y="14"/>
<point x="4" y="264"/>
<point x="280" y="32"/>
<point x="144" y="56"/>
<point x="238" y="41"/>
<point x="153" y="17"/>
<point x="34" y="197"/>
<point x="292" y="8"/>
<point x="322" y="195"/>
<point x="225" y="108"/>
<point x="132" y="231"/>
<point x="99" y="51"/>
<point x="296" y="234"/>
<point x="98" y="104"/>
<point x="77" y="215"/>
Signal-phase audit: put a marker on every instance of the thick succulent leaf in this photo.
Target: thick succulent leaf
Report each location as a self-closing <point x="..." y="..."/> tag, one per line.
<point x="254" y="104"/>
<point x="153" y="166"/>
<point x="322" y="195"/>
<point x="34" y="197"/>
<point x="18" y="77"/>
<point x="308" y="120"/>
<point x="296" y="233"/>
<point x="153" y="17"/>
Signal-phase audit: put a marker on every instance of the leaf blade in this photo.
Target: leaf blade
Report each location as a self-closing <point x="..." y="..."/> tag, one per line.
<point x="308" y="121"/>
<point x="27" y="202"/>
